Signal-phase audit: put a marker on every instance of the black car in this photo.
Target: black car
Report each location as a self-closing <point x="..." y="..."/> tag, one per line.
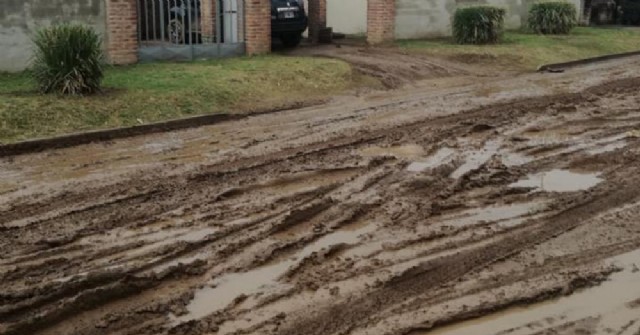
<point x="288" y="21"/>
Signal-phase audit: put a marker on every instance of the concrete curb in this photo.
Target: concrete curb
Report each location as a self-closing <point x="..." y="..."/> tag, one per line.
<point x="66" y="141"/>
<point x="70" y="140"/>
<point x="560" y="66"/>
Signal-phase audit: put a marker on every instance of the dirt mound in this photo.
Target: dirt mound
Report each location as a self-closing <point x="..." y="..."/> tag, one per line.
<point x="391" y="66"/>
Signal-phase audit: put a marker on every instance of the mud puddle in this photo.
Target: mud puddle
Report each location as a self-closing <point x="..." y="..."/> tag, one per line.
<point x="612" y="303"/>
<point x="505" y="215"/>
<point x="475" y="159"/>
<point x="401" y="151"/>
<point x="443" y="156"/>
<point x="559" y="180"/>
<point x="221" y="292"/>
<point x="201" y="256"/>
<point x="471" y="158"/>
<point x="550" y="136"/>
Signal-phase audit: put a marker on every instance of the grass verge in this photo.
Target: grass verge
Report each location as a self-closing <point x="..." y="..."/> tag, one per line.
<point x="526" y="51"/>
<point x="160" y="91"/>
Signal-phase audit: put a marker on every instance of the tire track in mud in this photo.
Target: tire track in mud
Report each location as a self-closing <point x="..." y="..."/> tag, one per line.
<point x="90" y="262"/>
<point x="341" y="318"/>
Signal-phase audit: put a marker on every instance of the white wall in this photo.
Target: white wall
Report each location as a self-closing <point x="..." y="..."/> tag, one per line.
<point x="433" y="18"/>
<point x="20" y="19"/>
<point x="347" y="16"/>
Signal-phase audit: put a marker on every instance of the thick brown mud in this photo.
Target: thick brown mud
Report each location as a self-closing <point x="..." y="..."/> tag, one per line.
<point x="508" y="206"/>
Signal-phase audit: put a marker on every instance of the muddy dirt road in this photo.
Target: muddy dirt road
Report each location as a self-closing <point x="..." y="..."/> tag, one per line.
<point x="461" y="205"/>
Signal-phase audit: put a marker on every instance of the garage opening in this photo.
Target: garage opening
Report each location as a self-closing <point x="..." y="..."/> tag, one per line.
<point x="190" y="29"/>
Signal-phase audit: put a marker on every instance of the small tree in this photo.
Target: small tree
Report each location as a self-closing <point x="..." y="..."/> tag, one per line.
<point x="478" y="25"/>
<point x="552" y="17"/>
<point x="68" y="60"/>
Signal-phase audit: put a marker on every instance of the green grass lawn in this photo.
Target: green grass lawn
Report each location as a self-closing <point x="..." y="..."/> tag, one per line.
<point x="526" y="51"/>
<point x="152" y="92"/>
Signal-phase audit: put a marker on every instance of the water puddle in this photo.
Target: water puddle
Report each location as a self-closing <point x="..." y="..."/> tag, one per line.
<point x="511" y="159"/>
<point x="611" y="303"/>
<point x="221" y="292"/>
<point x="401" y="151"/>
<point x="475" y="159"/>
<point x="560" y="181"/>
<point x="505" y="215"/>
<point x="443" y="156"/>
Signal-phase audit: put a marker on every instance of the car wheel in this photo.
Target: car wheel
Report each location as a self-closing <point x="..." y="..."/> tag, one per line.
<point x="176" y="31"/>
<point x="291" y="40"/>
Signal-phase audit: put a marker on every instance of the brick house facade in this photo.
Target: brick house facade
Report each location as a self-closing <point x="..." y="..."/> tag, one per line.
<point x="381" y="15"/>
<point x="122" y="25"/>
<point x="317" y="18"/>
<point x="118" y="22"/>
<point x="122" y="28"/>
<point x="257" y="26"/>
<point x="122" y="31"/>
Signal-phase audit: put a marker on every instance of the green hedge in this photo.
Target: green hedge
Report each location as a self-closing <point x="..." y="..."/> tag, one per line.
<point x="68" y="60"/>
<point x="478" y="25"/>
<point x="553" y="17"/>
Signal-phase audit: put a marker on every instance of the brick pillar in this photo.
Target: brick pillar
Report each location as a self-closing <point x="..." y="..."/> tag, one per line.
<point x="317" y="18"/>
<point x="381" y="15"/>
<point x="257" y="31"/>
<point x="208" y="20"/>
<point x="122" y="31"/>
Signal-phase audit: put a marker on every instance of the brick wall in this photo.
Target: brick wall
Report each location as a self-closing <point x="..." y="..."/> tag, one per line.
<point x="317" y="18"/>
<point x="208" y="20"/>
<point x="122" y="31"/>
<point x="122" y="25"/>
<point x="258" y="26"/>
<point x="380" y="21"/>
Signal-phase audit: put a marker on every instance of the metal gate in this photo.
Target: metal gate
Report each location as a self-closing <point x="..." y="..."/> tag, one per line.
<point x="190" y="29"/>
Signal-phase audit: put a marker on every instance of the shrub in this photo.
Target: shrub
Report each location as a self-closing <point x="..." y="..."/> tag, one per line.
<point x="68" y="60"/>
<point x="552" y="17"/>
<point x="478" y="25"/>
